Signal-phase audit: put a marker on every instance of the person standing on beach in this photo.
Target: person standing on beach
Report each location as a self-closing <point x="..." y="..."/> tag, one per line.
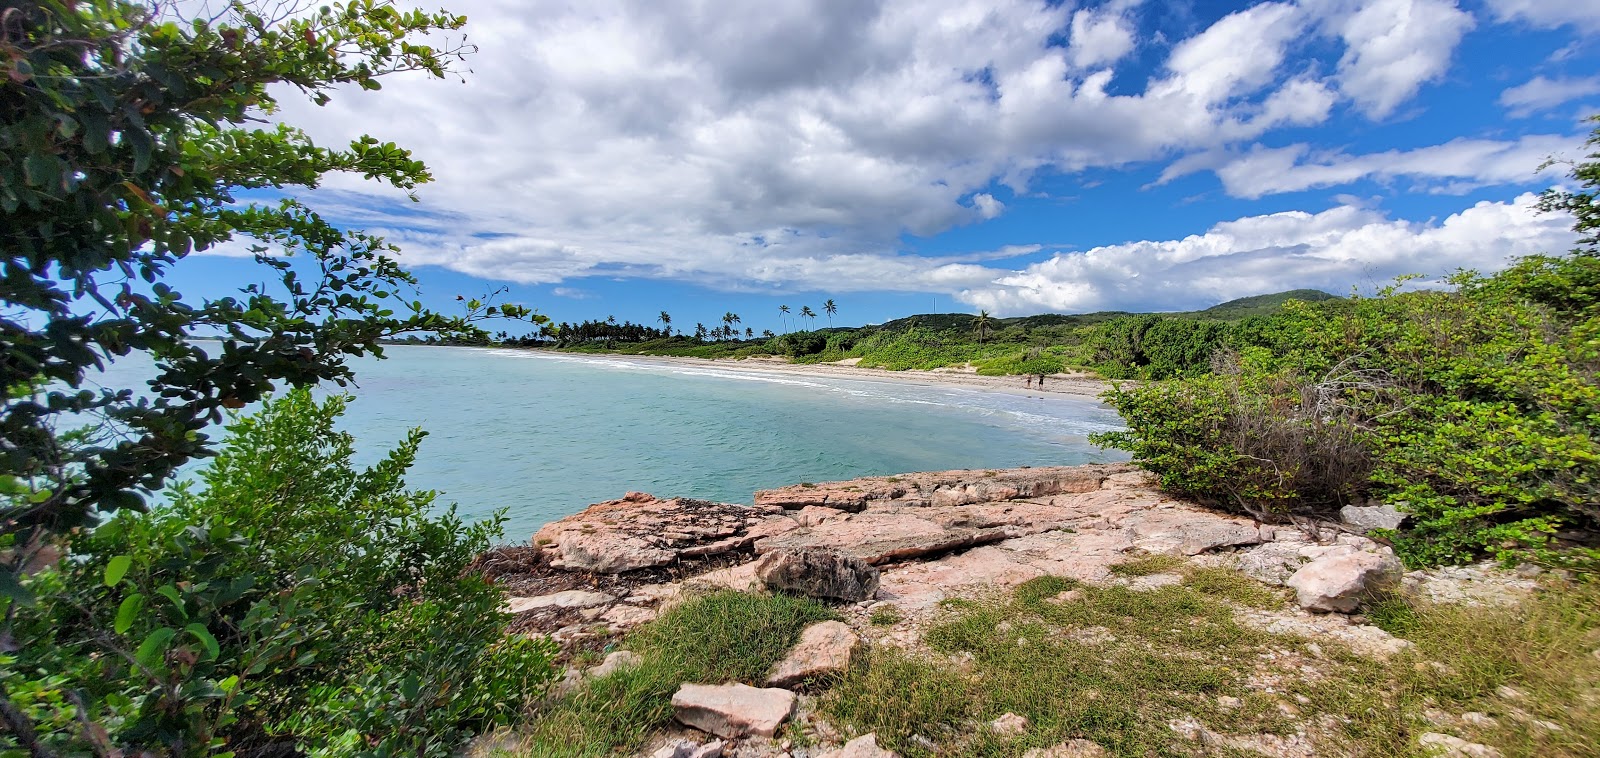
<point x="1041" y="381"/>
<point x="1030" y="381"/>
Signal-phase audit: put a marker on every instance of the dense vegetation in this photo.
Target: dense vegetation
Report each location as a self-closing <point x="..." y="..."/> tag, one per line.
<point x="294" y="603"/>
<point x="1476" y="410"/>
<point x="290" y="601"/>
<point x="1114" y="344"/>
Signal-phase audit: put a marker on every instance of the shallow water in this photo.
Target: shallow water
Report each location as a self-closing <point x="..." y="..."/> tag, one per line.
<point x="542" y="435"/>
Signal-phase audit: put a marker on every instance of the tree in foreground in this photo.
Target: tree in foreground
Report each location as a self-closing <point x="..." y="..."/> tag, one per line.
<point x="127" y="137"/>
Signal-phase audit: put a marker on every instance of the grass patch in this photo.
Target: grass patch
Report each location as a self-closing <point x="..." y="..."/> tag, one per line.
<point x="1155" y="563"/>
<point x="725" y="636"/>
<point x="885" y="615"/>
<point x="1116" y="666"/>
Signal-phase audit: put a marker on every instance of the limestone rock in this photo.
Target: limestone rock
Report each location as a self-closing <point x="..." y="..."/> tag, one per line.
<point x="1069" y="749"/>
<point x="1369" y="517"/>
<point x="567" y="599"/>
<point x="614" y="662"/>
<point x="818" y="573"/>
<point x="1339" y="583"/>
<point x="1009" y="725"/>
<point x="824" y="648"/>
<point x="640" y="531"/>
<point x="733" y="710"/>
<point x="942" y="488"/>
<point x="1446" y="746"/>
<point x="865" y="746"/>
<point x="682" y="748"/>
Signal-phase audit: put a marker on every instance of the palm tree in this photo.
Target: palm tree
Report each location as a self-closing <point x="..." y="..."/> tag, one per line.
<point x="981" y="327"/>
<point x="749" y="333"/>
<point x="700" y="332"/>
<point x="666" y="322"/>
<point x="783" y="313"/>
<point x="830" y="309"/>
<point x="805" y="310"/>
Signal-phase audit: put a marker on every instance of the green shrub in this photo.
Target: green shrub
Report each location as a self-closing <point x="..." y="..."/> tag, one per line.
<point x="1475" y="410"/>
<point x="293" y="599"/>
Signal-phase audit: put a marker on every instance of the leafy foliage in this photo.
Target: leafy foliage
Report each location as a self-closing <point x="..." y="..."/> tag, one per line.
<point x="127" y="136"/>
<point x="294" y="599"/>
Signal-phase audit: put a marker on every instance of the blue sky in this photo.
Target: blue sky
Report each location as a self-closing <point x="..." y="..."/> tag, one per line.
<point x="620" y="159"/>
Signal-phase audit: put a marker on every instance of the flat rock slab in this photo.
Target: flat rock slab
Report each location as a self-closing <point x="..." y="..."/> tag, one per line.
<point x="824" y="649"/>
<point x="640" y="531"/>
<point x="733" y="710"/>
<point x="943" y="488"/>
<point x="566" y="599"/>
<point x="865" y="746"/>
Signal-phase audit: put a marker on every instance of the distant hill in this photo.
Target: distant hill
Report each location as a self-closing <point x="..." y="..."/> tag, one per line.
<point x="1233" y="310"/>
<point x="1261" y="305"/>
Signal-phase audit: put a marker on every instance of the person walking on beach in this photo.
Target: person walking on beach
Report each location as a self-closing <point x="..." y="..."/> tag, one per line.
<point x="1030" y="381"/>
<point x="1041" y="381"/>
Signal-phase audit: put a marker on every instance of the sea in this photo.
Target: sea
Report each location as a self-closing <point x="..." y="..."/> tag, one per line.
<point x="541" y="435"/>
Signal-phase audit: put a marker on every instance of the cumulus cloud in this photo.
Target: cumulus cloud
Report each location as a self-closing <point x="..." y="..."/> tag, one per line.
<point x="1393" y="47"/>
<point x="1540" y="93"/>
<point x="796" y="145"/>
<point x="1453" y="167"/>
<point x="1332" y="250"/>
<point x="1549" y="14"/>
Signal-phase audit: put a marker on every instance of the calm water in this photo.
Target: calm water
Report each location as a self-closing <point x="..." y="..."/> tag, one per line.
<point x="543" y="435"/>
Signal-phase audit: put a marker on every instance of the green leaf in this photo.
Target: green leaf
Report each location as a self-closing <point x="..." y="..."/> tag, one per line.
<point x="203" y="634"/>
<point x="155" y="643"/>
<point x="128" y="612"/>
<point x="229" y="685"/>
<point x="117" y="568"/>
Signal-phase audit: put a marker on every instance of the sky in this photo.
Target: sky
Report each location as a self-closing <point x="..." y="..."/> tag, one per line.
<point x="621" y="159"/>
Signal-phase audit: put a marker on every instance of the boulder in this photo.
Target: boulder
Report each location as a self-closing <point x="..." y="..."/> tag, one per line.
<point x="824" y="648"/>
<point x="733" y="710"/>
<point x="865" y="746"/>
<point x="640" y="531"/>
<point x="1340" y="583"/>
<point x="818" y="573"/>
<point x="1369" y="517"/>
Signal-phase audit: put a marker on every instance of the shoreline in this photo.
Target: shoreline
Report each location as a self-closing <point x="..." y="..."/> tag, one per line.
<point x="1081" y="386"/>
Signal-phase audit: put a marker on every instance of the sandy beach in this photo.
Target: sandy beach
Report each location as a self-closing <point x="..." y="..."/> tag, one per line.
<point x="1077" y="385"/>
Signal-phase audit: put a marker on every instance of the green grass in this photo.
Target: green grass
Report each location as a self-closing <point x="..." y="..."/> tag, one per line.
<point x="885" y="615"/>
<point x="1116" y="666"/>
<point x="726" y="636"/>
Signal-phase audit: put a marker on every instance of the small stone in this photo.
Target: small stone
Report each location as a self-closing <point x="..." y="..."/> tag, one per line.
<point x="1339" y="583"/>
<point x="712" y="749"/>
<point x="824" y="648"/>
<point x="1446" y="746"/>
<point x="819" y="573"/>
<point x="614" y="662"/>
<point x="679" y="748"/>
<point x="733" y="710"/>
<point x="1069" y="596"/>
<point x="1009" y="725"/>
<point x="865" y="746"/>
<point x="1508" y="692"/>
<point x="1069" y="749"/>
<point x="1367" y="518"/>
<point x="1229" y="703"/>
<point x="1478" y="719"/>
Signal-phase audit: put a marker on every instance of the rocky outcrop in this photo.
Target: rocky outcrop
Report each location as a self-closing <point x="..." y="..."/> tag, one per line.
<point x="731" y="711"/>
<point x="1069" y="749"/>
<point x="942" y="488"/>
<point x="817" y="572"/>
<point x="1341" y="583"/>
<point x="824" y="649"/>
<point x="640" y="531"/>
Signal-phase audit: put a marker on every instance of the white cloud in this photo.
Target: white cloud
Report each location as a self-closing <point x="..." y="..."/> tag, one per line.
<point x="1100" y="37"/>
<point x="1332" y="250"/>
<point x="1393" y="47"/>
<point x="1549" y="14"/>
<point x="1455" y="166"/>
<point x="1236" y="56"/>
<point x="1539" y="93"/>
<point x="987" y="206"/>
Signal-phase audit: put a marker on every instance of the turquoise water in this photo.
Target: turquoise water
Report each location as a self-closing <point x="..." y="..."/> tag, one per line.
<point x="544" y="435"/>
